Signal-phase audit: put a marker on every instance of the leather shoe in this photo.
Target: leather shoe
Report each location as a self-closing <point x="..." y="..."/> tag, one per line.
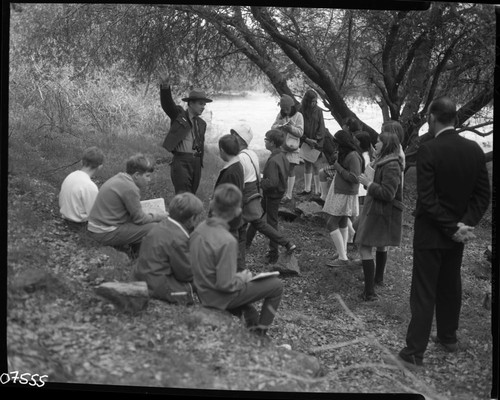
<point x="410" y="361"/>
<point x="338" y="263"/>
<point x="368" y="296"/>
<point x="449" y="347"/>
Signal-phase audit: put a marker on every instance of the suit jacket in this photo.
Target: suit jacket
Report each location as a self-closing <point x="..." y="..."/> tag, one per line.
<point x="452" y="187"/>
<point x="180" y="125"/>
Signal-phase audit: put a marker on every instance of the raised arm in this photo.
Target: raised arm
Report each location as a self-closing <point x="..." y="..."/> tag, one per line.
<point x="167" y="102"/>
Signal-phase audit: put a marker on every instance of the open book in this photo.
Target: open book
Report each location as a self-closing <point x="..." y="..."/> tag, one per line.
<point x="264" y="275"/>
<point x="369" y="172"/>
<point x="308" y="153"/>
<point x="153" y="206"/>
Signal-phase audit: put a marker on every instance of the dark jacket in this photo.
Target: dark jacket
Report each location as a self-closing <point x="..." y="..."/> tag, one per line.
<point x="164" y="261"/>
<point x="381" y="219"/>
<point x="275" y="175"/>
<point x="232" y="174"/>
<point x="452" y="187"/>
<point x="314" y="127"/>
<point x="346" y="180"/>
<point x="180" y="125"/>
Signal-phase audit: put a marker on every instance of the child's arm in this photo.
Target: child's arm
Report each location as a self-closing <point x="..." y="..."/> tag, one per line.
<point x="271" y="176"/>
<point x="278" y="122"/>
<point x="296" y="125"/>
<point x="225" y="269"/>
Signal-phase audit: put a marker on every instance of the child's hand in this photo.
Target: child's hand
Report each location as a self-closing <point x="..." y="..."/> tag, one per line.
<point x="244" y="275"/>
<point x="364" y="180"/>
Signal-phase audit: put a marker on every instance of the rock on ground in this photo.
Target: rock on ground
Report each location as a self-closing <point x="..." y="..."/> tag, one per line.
<point x="127" y="296"/>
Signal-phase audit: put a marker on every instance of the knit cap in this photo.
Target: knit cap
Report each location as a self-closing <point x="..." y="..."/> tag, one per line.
<point x="286" y="101"/>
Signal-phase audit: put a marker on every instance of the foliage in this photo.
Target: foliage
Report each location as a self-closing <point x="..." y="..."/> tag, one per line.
<point x="417" y="56"/>
<point x="401" y="59"/>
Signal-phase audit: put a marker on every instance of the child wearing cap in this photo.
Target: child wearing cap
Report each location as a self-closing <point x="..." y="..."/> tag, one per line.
<point x="291" y="122"/>
<point x="253" y="214"/>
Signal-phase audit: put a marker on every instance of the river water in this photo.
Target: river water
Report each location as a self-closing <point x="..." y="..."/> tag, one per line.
<point x="259" y="110"/>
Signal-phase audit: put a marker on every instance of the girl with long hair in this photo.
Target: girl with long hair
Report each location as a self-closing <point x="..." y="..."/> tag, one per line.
<point x="380" y="222"/>
<point x="342" y="199"/>
<point x="312" y="139"/>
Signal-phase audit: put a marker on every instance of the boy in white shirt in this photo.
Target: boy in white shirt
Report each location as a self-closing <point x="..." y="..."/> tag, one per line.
<point x="78" y="191"/>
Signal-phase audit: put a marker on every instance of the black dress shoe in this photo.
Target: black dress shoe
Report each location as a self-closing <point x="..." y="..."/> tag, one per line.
<point x="410" y="361"/>
<point x="449" y="347"/>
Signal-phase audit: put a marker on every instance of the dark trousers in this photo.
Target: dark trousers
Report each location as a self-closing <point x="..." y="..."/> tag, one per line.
<point x="436" y="283"/>
<point x="185" y="172"/>
<point x="268" y="289"/>
<point x="268" y="225"/>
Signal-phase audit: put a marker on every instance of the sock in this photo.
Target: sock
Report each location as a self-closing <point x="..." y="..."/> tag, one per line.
<point x="317" y="187"/>
<point x="307" y="182"/>
<point x="338" y="242"/>
<point x="290" y="184"/>
<point x="324" y="189"/>
<point x="380" y="261"/>
<point x="345" y="233"/>
<point x="369" y="273"/>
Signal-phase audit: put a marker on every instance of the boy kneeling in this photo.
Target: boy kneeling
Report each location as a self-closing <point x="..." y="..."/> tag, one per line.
<point x="214" y="252"/>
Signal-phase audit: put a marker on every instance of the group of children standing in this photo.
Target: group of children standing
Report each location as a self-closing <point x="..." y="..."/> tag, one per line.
<point x="177" y="256"/>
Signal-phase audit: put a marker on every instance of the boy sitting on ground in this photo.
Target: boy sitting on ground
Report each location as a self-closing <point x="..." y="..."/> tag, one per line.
<point x="78" y="191"/>
<point x="213" y="253"/>
<point x="117" y="218"/>
<point x="163" y="261"/>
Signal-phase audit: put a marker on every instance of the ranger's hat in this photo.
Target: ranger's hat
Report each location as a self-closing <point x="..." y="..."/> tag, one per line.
<point x="197" y="95"/>
<point x="243" y="131"/>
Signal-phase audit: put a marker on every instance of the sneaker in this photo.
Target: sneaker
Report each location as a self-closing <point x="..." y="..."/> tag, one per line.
<point x="448" y="347"/>
<point x="305" y="193"/>
<point x="290" y="247"/>
<point x="285" y="200"/>
<point x="338" y="263"/>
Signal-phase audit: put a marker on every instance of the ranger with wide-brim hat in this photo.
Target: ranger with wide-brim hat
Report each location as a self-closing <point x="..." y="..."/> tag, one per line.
<point x="185" y="138"/>
<point x="197" y="95"/>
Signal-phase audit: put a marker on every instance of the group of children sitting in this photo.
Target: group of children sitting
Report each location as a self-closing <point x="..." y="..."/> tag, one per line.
<point x="176" y="255"/>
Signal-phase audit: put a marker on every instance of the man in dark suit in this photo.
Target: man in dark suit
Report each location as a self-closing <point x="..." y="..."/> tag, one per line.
<point x="453" y="193"/>
<point x="186" y="138"/>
